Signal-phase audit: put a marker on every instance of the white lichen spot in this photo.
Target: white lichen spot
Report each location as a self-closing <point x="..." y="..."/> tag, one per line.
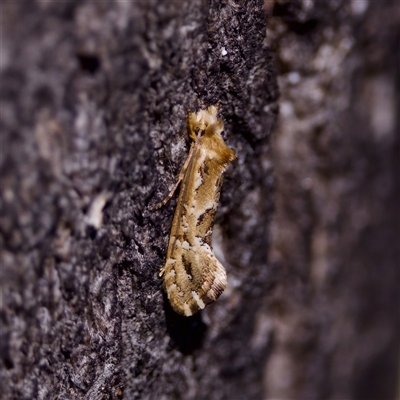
<point x="293" y="78"/>
<point x="95" y="215"/>
<point x="358" y="7"/>
<point x="286" y="109"/>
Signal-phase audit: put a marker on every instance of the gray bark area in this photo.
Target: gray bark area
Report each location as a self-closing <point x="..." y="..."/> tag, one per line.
<point x="94" y="100"/>
<point x="335" y="233"/>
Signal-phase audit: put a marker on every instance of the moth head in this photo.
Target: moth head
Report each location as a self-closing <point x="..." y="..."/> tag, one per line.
<point x="216" y="128"/>
<point x="213" y="110"/>
<point x="207" y="117"/>
<point x="205" y="121"/>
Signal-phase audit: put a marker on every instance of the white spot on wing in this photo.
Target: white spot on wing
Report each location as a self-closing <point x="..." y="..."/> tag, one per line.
<point x="170" y="274"/>
<point x="170" y="289"/>
<point x="186" y="309"/>
<point x="198" y="181"/>
<point x="198" y="300"/>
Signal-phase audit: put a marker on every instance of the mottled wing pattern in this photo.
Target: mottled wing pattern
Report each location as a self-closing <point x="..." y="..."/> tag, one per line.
<point x="193" y="277"/>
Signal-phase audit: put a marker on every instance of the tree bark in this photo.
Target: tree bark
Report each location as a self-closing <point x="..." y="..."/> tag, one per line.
<point x="335" y="231"/>
<point x="94" y="101"/>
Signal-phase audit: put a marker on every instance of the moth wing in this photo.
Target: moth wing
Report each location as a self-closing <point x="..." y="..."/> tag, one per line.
<point x="191" y="291"/>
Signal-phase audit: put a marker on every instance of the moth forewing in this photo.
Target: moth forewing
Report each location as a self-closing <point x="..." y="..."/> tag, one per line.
<point x="192" y="275"/>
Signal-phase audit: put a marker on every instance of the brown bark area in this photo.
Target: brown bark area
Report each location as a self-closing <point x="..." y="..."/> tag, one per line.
<point x="94" y="100"/>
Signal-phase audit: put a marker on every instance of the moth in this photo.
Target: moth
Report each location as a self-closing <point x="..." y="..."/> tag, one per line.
<point x="192" y="275"/>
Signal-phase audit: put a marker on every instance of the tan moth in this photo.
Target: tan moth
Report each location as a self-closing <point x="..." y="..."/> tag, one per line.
<point x="192" y="275"/>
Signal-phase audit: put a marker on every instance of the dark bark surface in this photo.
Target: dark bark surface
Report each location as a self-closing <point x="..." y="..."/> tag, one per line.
<point x="94" y="100"/>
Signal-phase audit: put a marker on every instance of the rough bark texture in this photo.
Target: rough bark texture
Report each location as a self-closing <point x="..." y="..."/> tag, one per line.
<point x="94" y="99"/>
